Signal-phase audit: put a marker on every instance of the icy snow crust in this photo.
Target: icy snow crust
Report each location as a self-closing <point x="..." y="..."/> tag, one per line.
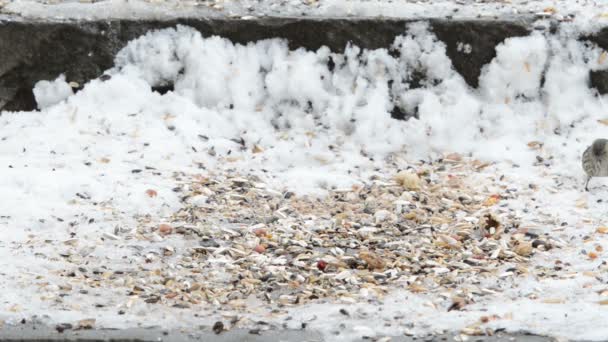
<point x="586" y="13"/>
<point x="117" y="138"/>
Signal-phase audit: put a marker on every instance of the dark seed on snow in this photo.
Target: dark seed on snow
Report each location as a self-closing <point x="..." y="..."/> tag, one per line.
<point x="62" y="327"/>
<point x="537" y="243"/>
<point x="209" y="243"/>
<point x="531" y="235"/>
<point x="218" y="327"/>
<point x="152" y="300"/>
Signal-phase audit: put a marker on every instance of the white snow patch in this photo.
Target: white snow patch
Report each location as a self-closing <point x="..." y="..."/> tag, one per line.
<point x="48" y="93"/>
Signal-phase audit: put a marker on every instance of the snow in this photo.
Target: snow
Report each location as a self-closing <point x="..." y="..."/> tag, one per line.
<point x="82" y="164"/>
<point x="587" y="14"/>
<point x="48" y="93"/>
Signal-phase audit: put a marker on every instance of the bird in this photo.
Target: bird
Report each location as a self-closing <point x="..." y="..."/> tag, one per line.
<point x="595" y="160"/>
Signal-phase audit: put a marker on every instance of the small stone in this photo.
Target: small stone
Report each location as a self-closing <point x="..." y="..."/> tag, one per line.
<point x="408" y="180"/>
<point x="523" y="249"/>
<point x="259" y="249"/>
<point x="592" y="255"/>
<point x="374" y="262"/>
<point x="151" y="193"/>
<point x="259" y="232"/>
<point x="165" y="229"/>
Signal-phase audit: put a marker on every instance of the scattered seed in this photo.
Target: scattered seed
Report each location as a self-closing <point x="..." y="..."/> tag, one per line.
<point x="218" y="327"/>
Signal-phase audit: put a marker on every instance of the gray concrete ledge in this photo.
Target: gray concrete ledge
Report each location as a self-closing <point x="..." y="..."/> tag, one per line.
<point x="41" y="49"/>
<point x="33" y="50"/>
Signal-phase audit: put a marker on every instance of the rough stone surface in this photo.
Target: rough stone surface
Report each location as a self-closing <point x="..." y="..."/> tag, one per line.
<point x="599" y="81"/>
<point x="30" y="52"/>
<point x="600" y="38"/>
<point x="482" y="38"/>
<point x="41" y="50"/>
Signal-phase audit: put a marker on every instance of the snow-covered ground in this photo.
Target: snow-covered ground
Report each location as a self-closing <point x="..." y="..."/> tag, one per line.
<point x="587" y="13"/>
<point x="80" y="176"/>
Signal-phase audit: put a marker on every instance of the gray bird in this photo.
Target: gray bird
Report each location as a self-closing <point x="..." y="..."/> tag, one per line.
<point x="595" y="160"/>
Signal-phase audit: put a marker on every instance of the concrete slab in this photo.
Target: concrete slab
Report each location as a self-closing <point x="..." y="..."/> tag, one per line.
<point x="42" y="49"/>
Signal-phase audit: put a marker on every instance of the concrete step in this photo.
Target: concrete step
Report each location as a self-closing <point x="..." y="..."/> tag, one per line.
<point x="41" y="49"/>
